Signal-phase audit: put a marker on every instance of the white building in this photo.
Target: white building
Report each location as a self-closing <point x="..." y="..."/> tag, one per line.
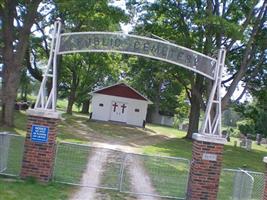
<point x="119" y="103"/>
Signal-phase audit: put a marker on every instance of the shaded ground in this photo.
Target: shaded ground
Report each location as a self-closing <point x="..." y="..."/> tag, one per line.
<point x="79" y="129"/>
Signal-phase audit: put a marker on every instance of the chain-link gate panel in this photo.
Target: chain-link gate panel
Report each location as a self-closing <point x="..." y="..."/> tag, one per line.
<point x="4" y="144"/>
<point x="258" y="188"/>
<point x="11" y="154"/>
<point x="87" y="166"/>
<point x="155" y="176"/>
<point x="241" y="185"/>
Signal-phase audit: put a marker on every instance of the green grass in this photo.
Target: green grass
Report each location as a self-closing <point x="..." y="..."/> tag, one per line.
<point x="233" y="157"/>
<point x="28" y="190"/>
<point x="15" y="153"/>
<point x="20" y="121"/>
<point x="168" y="176"/>
<point x="71" y="162"/>
<point x="165" y="130"/>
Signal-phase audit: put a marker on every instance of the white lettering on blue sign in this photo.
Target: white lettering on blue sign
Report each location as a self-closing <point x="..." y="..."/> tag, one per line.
<point x="39" y="133"/>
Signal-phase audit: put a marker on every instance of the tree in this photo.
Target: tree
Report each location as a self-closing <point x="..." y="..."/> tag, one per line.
<point x="82" y="73"/>
<point x="17" y="18"/>
<point x="206" y="26"/>
<point x="151" y="78"/>
<point x="25" y="85"/>
<point x="86" y="70"/>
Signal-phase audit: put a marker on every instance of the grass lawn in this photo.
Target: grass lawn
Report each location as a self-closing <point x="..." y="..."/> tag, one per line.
<point x="77" y="128"/>
<point x="12" y="189"/>
<point x="233" y="157"/>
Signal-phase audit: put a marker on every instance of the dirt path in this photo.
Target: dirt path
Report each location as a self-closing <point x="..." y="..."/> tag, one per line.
<point x="92" y="175"/>
<point x="140" y="181"/>
<point x="130" y="143"/>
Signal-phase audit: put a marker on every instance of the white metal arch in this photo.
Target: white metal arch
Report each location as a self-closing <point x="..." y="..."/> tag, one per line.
<point x="138" y="45"/>
<point x="65" y="43"/>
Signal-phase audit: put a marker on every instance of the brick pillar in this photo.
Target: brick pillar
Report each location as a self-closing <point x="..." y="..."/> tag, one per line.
<point x="205" y="167"/>
<point x="265" y="187"/>
<point x="40" y="145"/>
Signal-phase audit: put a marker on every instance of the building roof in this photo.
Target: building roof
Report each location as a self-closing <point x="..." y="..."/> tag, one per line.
<point x="122" y="90"/>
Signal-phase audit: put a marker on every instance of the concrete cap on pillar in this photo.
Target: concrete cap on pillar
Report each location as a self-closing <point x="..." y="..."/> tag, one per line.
<point x="209" y="138"/>
<point x="265" y="159"/>
<point x="44" y="113"/>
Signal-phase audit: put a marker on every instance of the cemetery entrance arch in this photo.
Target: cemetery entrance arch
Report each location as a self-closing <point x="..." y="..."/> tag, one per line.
<point x="66" y="43"/>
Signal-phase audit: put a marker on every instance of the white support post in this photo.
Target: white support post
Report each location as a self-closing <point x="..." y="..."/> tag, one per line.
<point x="46" y="103"/>
<point x="212" y="121"/>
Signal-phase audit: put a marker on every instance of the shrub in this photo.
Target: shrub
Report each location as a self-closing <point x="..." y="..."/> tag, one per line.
<point x="246" y="126"/>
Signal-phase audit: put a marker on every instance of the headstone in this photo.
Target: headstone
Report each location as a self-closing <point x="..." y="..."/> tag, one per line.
<point x="258" y="139"/>
<point x="248" y="144"/>
<point x="243" y="142"/>
<point x="226" y="135"/>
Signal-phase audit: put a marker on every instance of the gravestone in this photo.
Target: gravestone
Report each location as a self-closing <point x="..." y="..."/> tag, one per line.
<point x="258" y="139"/>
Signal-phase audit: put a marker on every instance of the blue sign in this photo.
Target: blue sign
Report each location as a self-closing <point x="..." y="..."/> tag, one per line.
<point x="39" y="133"/>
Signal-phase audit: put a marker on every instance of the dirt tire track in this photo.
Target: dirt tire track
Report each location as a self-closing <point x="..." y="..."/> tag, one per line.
<point x="92" y="176"/>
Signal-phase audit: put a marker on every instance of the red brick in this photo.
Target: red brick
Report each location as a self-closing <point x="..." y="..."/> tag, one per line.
<point x="38" y="158"/>
<point x="204" y="174"/>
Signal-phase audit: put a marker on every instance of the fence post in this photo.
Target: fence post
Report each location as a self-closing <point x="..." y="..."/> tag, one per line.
<point x="265" y="187"/>
<point x="40" y="145"/>
<point x="205" y="167"/>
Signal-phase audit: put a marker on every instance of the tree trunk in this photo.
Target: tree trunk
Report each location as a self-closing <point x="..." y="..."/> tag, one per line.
<point x="196" y="95"/>
<point x="193" y="118"/>
<point x="85" y="107"/>
<point x="72" y="94"/>
<point x="71" y="100"/>
<point x="13" y="55"/>
<point x="9" y="95"/>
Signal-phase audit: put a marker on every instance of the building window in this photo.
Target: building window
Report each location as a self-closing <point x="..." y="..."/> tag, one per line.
<point x="101" y="104"/>
<point x="136" y="110"/>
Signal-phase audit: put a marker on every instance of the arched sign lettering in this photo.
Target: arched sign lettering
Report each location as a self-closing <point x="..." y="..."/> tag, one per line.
<point x="65" y="43"/>
<point x="137" y="45"/>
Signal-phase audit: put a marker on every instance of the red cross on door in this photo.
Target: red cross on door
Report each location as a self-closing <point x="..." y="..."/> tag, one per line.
<point x="123" y="107"/>
<point x="115" y="105"/>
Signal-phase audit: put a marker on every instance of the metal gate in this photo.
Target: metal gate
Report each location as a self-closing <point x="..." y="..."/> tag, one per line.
<point x="4" y="144"/>
<point x="137" y="174"/>
<point x="238" y="184"/>
<point x="243" y="185"/>
<point x="11" y="153"/>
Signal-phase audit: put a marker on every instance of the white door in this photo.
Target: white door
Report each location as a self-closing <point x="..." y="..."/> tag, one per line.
<point x="118" y="111"/>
